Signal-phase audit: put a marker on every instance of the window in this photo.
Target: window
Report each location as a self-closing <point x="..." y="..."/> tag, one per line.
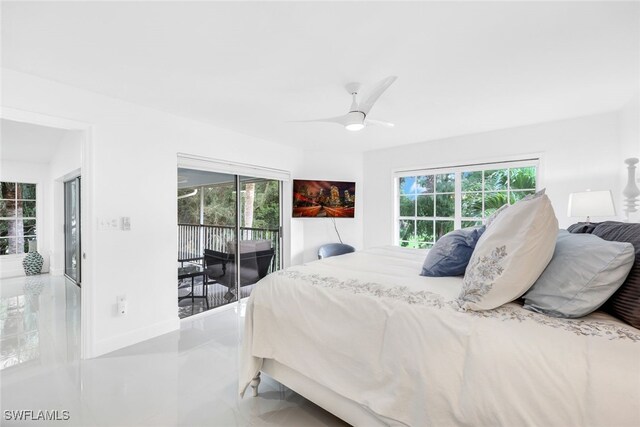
<point x="430" y="203"/>
<point x="17" y="217"/>
<point x="427" y="208"/>
<point x="483" y="192"/>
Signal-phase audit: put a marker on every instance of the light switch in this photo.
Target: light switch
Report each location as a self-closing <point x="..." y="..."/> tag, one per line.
<point x="125" y="223"/>
<point x="107" y="224"/>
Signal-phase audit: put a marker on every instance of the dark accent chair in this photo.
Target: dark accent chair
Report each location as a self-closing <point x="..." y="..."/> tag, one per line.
<point x="334" y="249"/>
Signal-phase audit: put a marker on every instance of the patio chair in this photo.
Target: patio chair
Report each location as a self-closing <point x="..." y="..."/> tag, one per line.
<point x="254" y="264"/>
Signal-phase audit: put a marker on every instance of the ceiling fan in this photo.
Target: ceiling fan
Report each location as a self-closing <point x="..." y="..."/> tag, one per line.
<point x="357" y="117"/>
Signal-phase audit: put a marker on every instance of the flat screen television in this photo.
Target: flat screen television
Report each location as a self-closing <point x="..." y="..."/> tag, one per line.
<point x="322" y="199"/>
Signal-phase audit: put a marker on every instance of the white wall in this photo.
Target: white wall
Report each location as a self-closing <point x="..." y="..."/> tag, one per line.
<point x="629" y="124"/>
<point x="65" y="164"/>
<point x="308" y="234"/>
<point x="578" y="154"/>
<point x="33" y="173"/>
<point x="133" y="173"/>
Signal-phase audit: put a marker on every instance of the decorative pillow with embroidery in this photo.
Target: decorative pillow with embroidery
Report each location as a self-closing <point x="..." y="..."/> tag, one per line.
<point x="510" y="255"/>
<point x="502" y="208"/>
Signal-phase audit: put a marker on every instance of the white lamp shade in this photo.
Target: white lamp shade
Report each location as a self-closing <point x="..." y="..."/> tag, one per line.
<point x="591" y="203"/>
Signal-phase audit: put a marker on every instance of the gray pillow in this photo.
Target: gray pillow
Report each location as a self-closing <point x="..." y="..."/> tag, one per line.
<point x="584" y="272"/>
<point x="451" y="253"/>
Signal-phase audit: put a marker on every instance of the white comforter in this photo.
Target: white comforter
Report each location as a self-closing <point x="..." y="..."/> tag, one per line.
<point x="368" y="327"/>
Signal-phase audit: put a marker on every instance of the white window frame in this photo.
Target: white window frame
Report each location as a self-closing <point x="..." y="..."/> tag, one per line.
<point x="15" y="217"/>
<point x="524" y="161"/>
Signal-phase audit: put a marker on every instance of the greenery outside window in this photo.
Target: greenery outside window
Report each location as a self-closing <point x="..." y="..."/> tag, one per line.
<point x="430" y="203"/>
<point x="218" y="204"/>
<point x="427" y="208"/>
<point x="17" y="217"/>
<point x="483" y="192"/>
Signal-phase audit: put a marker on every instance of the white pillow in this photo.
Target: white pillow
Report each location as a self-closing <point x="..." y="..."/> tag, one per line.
<point x="502" y="208"/>
<point x="510" y="255"/>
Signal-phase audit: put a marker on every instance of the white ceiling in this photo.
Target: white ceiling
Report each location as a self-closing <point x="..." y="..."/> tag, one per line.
<point x="463" y="67"/>
<point x="25" y="142"/>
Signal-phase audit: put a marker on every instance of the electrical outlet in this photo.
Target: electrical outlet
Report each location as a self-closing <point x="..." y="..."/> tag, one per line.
<point x="122" y="305"/>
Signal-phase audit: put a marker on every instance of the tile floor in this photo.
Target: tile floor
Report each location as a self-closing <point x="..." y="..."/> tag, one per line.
<point x="218" y="295"/>
<point x="184" y="378"/>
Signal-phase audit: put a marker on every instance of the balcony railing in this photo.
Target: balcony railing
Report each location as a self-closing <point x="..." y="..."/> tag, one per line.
<point x="193" y="239"/>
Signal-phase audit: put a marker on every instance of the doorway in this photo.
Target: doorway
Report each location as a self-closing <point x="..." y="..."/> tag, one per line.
<point x="72" y="231"/>
<point x="80" y="134"/>
<point x="229" y="236"/>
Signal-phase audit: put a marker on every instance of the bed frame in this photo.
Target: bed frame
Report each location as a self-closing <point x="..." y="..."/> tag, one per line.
<point x="341" y="407"/>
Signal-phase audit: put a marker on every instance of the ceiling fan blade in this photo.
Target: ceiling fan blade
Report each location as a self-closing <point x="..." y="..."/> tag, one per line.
<point x="340" y="120"/>
<point x="379" y="123"/>
<point x="378" y="90"/>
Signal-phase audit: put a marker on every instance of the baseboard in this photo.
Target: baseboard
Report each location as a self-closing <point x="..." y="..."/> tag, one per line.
<point x="134" y="337"/>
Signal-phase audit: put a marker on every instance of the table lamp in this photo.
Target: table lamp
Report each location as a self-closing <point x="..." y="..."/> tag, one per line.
<point x="591" y="203"/>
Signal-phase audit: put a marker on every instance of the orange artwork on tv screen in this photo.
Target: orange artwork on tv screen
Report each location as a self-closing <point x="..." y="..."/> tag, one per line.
<point x="322" y="199"/>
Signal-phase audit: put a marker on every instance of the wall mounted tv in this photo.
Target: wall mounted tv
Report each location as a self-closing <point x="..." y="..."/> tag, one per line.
<point x="322" y="199"/>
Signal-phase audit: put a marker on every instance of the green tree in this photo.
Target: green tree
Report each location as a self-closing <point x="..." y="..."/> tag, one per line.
<point x="220" y="205"/>
<point x="266" y="212"/>
<point x="496" y="184"/>
<point x="189" y="206"/>
<point x="522" y="178"/>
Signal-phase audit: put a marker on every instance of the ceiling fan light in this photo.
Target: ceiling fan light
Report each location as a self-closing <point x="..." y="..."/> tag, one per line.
<point x="354" y="121"/>
<point x="353" y="127"/>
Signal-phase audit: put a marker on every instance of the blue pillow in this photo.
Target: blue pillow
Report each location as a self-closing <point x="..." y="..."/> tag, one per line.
<point x="451" y="253"/>
<point x="584" y="272"/>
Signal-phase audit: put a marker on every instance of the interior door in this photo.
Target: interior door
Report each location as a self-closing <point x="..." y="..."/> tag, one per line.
<point x="72" y="238"/>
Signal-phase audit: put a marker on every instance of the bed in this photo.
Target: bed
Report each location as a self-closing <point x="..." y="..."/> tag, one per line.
<point x="368" y="339"/>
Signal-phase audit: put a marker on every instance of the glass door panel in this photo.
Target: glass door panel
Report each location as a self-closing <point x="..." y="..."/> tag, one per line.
<point x="260" y="230"/>
<point x="229" y="237"/>
<point x="207" y="211"/>
<point x="220" y="236"/>
<point x="72" y="248"/>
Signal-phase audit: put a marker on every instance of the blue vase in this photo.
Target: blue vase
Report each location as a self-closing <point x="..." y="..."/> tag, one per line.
<point x="32" y="262"/>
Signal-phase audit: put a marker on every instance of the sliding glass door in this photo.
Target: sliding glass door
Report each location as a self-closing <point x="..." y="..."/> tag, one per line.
<point x="228" y="237"/>
<point x="72" y="240"/>
<point x="260" y="230"/>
